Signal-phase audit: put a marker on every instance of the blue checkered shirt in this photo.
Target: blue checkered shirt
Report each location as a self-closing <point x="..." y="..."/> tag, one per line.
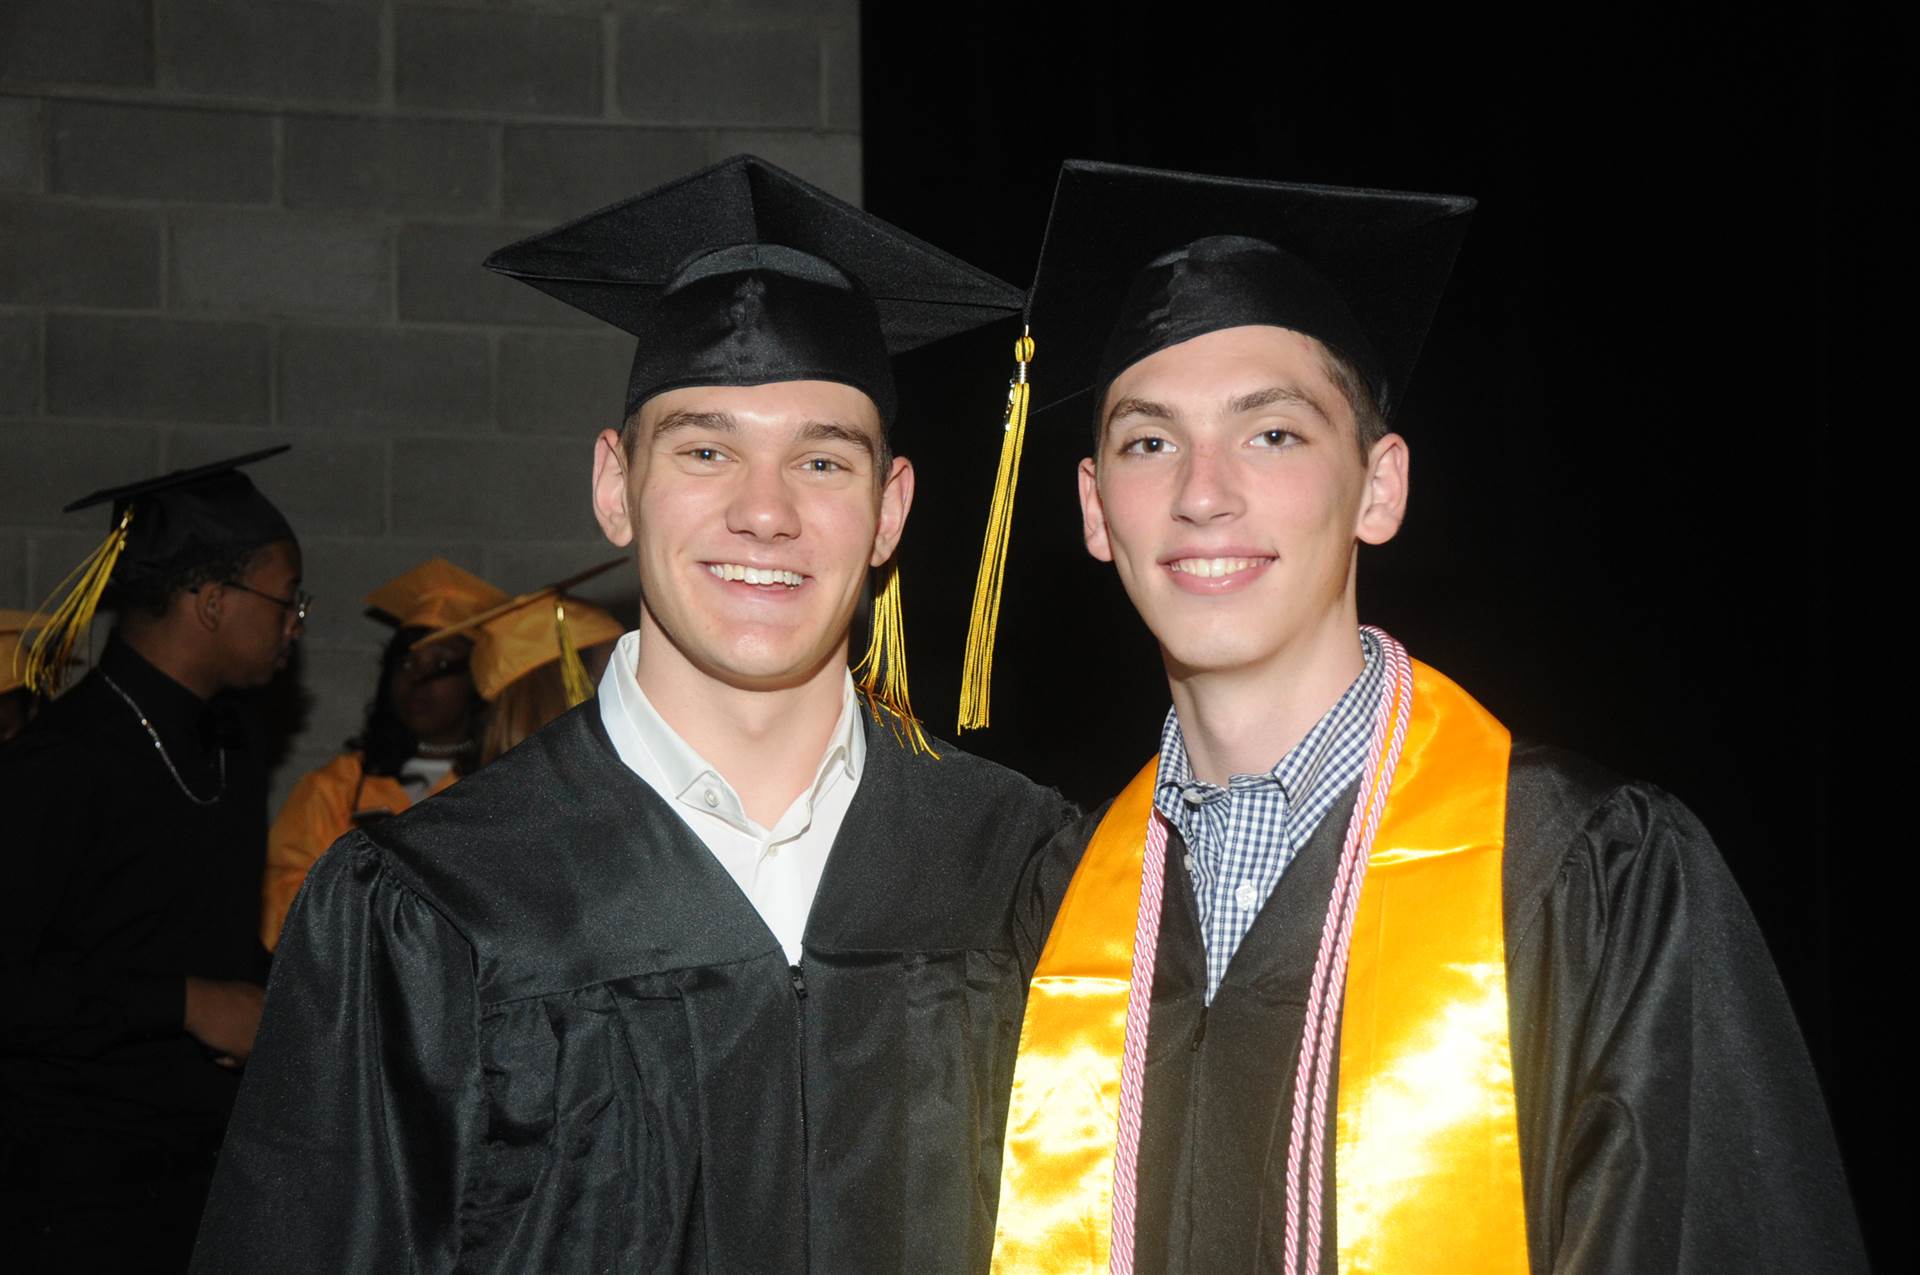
<point x="1242" y="837"/>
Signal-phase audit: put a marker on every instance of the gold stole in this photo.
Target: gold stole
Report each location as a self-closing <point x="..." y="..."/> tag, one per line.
<point x="1427" y="1159"/>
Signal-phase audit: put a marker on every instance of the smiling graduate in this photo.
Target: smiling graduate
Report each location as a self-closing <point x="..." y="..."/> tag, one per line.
<point x="1348" y="978"/>
<point x="714" y="973"/>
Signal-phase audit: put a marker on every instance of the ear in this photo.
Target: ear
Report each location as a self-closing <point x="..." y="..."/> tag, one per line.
<point x="610" y="489"/>
<point x="1093" y="515"/>
<point x="1383" y="504"/>
<point x="205" y="604"/>
<point x="896" y="499"/>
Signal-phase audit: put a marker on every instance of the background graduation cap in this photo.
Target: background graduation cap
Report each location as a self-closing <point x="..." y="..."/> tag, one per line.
<point x="432" y="595"/>
<point x="530" y="630"/>
<point x="743" y="274"/>
<point x="1138" y="259"/>
<point x="160" y="527"/>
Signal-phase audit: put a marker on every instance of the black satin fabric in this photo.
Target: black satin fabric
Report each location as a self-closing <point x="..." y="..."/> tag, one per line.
<point x="1229" y="281"/>
<point x="532" y="1025"/>
<point x="1669" y="1117"/>
<point x="753" y="314"/>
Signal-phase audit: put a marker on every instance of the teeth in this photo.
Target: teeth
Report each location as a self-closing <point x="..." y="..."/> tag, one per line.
<point x="756" y="575"/>
<point x="1213" y="568"/>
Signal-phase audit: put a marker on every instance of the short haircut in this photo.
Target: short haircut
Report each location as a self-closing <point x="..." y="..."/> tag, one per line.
<point x="151" y="591"/>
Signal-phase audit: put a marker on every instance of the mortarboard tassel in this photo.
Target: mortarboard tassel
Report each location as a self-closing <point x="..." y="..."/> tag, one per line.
<point x="976" y="676"/>
<point x="884" y="679"/>
<point x="45" y="667"/>
<point x="573" y="674"/>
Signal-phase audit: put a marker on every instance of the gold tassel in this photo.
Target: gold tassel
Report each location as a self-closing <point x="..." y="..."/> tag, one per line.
<point x="45" y="667"/>
<point x="883" y="669"/>
<point x="976" y="676"/>
<point x="573" y="674"/>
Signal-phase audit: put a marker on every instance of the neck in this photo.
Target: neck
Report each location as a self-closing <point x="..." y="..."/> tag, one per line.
<point x="765" y="742"/>
<point x="1243" y="720"/>
<point x="155" y="642"/>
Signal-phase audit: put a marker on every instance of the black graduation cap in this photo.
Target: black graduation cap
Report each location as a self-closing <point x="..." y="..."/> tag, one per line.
<point x="1138" y="259"/>
<point x="160" y="527"/>
<point x="743" y="274"/>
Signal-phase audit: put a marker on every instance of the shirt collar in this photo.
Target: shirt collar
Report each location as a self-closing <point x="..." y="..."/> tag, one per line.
<point x="183" y="719"/>
<point x="1177" y="793"/>
<point x="688" y="776"/>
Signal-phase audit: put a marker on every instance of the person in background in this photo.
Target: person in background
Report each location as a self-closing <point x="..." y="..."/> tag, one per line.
<point x="17" y="703"/>
<point x="534" y="657"/>
<point x="422" y="731"/>
<point x="130" y="959"/>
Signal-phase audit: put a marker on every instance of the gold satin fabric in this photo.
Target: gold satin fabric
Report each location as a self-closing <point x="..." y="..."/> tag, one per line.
<point x="1056" y="1173"/>
<point x="1427" y="1153"/>
<point x="1427" y="1158"/>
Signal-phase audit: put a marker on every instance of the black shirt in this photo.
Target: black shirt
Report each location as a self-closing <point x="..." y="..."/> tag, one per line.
<point x="117" y="887"/>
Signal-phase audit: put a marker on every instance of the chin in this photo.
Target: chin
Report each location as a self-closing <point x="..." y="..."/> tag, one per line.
<point x="1213" y="648"/>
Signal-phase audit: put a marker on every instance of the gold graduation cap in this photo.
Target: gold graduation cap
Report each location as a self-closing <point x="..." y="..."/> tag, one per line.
<point x="532" y="630"/>
<point x="433" y="595"/>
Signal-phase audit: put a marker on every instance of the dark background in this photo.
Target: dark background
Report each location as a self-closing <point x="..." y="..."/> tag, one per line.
<point x="1643" y="442"/>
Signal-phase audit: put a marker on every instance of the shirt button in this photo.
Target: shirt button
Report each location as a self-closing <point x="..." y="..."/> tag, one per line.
<point x="712" y="799"/>
<point x="1189" y="862"/>
<point x="1243" y="894"/>
<point x="1194" y="797"/>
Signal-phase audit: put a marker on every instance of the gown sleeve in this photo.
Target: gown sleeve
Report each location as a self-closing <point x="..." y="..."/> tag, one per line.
<point x="317" y="813"/>
<point x="362" y="1103"/>
<point x="1670" y="1117"/>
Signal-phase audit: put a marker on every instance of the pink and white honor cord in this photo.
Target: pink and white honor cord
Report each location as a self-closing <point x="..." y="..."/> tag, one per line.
<point x="1313" y="1078"/>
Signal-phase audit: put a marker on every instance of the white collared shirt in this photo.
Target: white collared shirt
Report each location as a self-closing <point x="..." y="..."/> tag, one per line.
<point x="777" y="868"/>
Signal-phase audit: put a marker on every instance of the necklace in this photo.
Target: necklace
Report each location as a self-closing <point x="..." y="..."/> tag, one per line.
<point x="443" y="750"/>
<point x="161" y="748"/>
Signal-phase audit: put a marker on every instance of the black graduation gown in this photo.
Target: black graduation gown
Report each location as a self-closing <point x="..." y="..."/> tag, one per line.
<point x="1669" y="1116"/>
<point x="533" y="1025"/>
<point x="117" y="887"/>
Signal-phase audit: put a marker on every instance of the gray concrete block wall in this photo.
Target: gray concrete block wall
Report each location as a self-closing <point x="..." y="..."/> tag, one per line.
<point x="231" y="223"/>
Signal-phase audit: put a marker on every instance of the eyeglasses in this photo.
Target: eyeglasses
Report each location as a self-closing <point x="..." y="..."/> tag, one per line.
<point x="300" y="603"/>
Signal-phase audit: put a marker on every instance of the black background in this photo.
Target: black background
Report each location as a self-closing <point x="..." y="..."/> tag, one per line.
<point x="1647" y="446"/>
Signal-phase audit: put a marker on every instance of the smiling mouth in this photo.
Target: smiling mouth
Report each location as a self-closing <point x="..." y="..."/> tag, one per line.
<point x="766" y="577"/>
<point x="1214" y="568"/>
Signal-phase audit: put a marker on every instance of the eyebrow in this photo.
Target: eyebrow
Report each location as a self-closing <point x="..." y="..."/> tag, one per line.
<point x="1291" y="395"/>
<point x="834" y="431"/>
<point x="1139" y="407"/>
<point x="674" y="422"/>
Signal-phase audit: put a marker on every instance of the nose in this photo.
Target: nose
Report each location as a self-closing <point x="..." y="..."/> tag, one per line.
<point x="1208" y="489"/>
<point x="762" y="505"/>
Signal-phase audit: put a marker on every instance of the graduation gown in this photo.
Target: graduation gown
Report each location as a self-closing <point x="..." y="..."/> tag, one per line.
<point x="533" y="1025"/>
<point x="1669" y="1116"/>
<point x="318" y="812"/>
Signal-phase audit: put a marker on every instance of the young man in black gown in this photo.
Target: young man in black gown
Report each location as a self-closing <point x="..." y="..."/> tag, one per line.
<point x="1423" y="997"/>
<point x="715" y="973"/>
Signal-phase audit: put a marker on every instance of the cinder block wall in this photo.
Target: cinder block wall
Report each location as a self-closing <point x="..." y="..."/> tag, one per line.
<point x="231" y="223"/>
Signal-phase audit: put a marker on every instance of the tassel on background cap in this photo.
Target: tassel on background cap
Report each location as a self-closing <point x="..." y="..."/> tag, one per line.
<point x="44" y="670"/>
<point x="573" y="674"/>
<point x="976" y="676"/>
<point x="882" y="671"/>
